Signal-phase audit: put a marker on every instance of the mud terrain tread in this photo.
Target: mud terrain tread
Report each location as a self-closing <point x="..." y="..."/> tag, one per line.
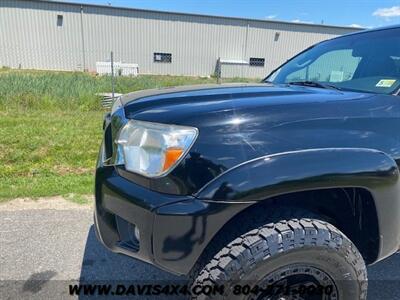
<point x="245" y="252"/>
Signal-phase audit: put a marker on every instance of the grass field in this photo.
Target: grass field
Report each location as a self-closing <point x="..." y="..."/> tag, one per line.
<point x="50" y="128"/>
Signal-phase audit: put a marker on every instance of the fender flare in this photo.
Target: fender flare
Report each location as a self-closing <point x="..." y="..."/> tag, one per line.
<point x="294" y="171"/>
<point x="282" y="173"/>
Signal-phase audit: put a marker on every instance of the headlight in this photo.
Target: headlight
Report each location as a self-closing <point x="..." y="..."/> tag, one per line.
<point x="153" y="149"/>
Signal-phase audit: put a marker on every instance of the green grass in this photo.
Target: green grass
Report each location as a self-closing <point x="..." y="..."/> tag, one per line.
<point x="41" y="90"/>
<point x="50" y="129"/>
<point x="48" y="153"/>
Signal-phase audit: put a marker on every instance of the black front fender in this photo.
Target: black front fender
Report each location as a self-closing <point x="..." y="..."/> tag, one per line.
<point x="287" y="172"/>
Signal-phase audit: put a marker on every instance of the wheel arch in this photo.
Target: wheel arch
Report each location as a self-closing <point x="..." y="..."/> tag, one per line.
<point x="354" y="184"/>
<point x="355" y="215"/>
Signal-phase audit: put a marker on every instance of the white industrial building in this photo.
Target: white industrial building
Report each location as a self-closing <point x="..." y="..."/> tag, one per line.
<point x="70" y="36"/>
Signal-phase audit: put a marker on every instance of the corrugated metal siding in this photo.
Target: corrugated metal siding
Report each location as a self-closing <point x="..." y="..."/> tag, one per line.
<point x="30" y="38"/>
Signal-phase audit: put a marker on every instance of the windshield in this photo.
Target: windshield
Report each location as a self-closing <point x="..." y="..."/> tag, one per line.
<point x="367" y="62"/>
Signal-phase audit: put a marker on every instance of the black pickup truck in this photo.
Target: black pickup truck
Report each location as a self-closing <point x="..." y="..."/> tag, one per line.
<point x="290" y="182"/>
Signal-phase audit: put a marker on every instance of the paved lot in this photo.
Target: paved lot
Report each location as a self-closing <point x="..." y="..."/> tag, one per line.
<point x="43" y="250"/>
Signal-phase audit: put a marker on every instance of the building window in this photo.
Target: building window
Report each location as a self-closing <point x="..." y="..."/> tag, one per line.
<point x="60" y="20"/>
<point x="163" y="57"/>
<point x="257" y="62"/>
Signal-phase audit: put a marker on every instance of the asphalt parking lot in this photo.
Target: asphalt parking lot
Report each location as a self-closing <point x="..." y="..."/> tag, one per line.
<point x="45" y="247"/>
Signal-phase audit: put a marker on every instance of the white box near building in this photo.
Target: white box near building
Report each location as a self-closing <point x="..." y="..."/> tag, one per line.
<point x="120" y="69"/>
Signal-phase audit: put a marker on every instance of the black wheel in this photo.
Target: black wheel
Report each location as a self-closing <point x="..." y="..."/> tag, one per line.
<point x="290" y="259"/>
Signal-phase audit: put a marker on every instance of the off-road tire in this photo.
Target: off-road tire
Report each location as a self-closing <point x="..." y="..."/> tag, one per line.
<point x="310" y="242"/>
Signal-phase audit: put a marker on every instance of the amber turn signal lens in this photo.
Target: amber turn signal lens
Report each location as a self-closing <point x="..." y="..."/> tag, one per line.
<point x="171" y="156"/>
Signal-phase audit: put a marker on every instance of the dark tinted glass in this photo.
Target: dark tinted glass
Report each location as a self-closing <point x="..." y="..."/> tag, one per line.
<point x="368" y="62"/>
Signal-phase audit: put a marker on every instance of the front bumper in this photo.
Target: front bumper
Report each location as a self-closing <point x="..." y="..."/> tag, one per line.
<point x="173" y="230"/>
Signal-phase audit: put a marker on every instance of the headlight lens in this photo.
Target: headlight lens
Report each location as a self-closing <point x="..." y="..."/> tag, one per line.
<point x="153" y="149"/>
